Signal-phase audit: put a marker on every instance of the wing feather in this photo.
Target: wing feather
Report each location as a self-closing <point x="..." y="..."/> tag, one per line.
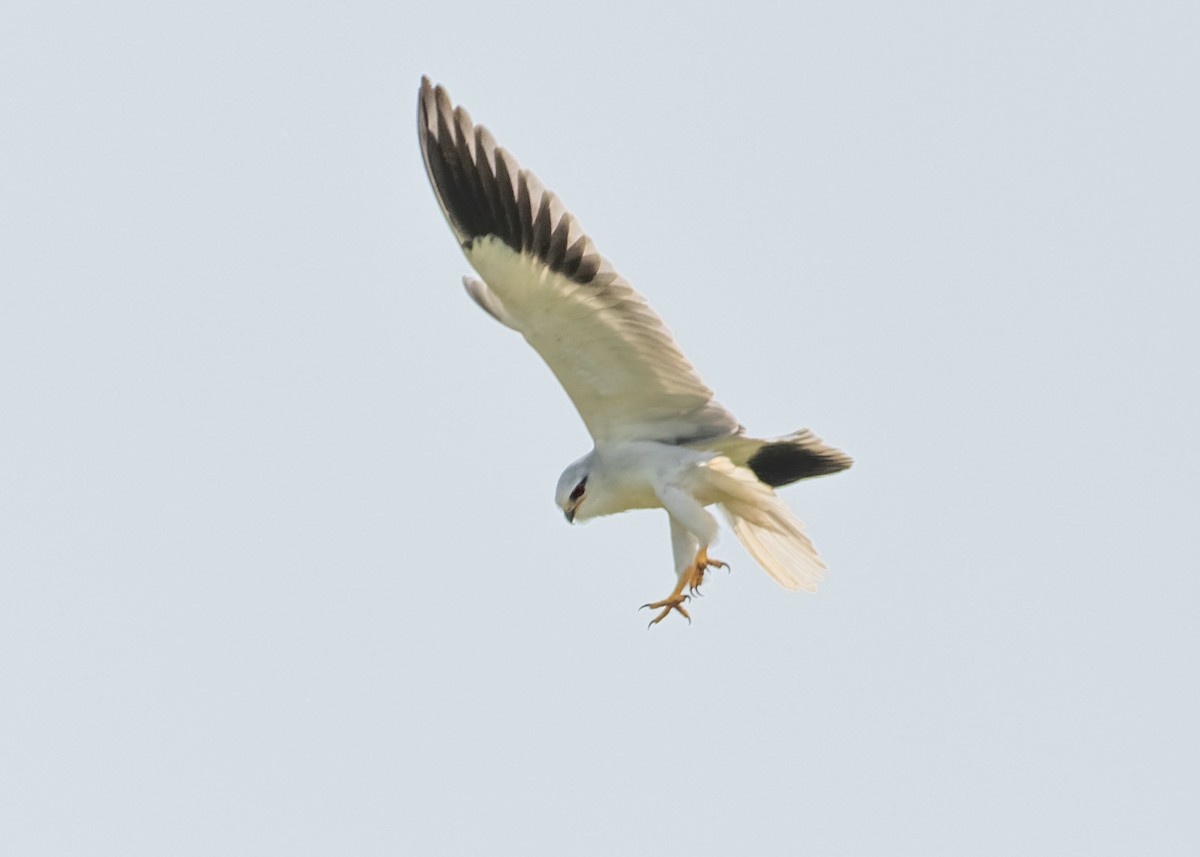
<point x="611" y="352"/>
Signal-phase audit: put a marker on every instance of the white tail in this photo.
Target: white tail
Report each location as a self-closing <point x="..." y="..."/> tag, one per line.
<point x="766" y="527"/>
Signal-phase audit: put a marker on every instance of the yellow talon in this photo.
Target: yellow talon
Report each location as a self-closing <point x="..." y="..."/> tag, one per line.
<point x="674" y="602"/>
<point x="690" y="580"/>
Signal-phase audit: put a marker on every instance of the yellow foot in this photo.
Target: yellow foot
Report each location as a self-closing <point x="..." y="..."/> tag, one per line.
<point x="689" y="580"/>
<point x="696" y="572"/>
<point x="672" y="602"/>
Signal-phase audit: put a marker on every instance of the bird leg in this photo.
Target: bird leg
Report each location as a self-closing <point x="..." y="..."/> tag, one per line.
<point x="702" y="564"/>
<point x="690" y="579"/>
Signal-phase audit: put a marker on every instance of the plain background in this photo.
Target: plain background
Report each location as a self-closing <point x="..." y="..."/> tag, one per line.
<point x="280" y="570"/>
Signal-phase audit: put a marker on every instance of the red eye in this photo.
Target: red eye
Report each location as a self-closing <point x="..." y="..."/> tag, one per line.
<point x="578" y="492"/>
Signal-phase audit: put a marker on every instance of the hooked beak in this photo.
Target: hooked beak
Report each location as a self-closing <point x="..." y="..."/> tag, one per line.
<point x="569" y="514"/>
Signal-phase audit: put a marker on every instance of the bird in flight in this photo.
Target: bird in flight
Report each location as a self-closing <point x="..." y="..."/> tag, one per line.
<point x="661" y="440"/>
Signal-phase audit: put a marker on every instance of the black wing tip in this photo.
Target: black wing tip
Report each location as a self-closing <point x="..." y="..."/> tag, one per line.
<point x="427" y="98"/>
<point x="430" y="93"/>
<point x="481" y="198"/>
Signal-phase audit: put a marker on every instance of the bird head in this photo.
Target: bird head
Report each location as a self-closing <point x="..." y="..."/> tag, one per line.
<point x="572" y="487"/>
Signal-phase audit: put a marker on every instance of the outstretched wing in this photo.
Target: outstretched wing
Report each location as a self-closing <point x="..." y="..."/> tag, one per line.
<point x="544" y="277"/>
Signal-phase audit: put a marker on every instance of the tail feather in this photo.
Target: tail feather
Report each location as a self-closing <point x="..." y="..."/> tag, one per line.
<point x="766" y="527"/>
<point x="800" y="455"/>
<point x="785" y="553"/>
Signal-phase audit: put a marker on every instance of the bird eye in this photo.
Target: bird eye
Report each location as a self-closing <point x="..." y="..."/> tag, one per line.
<point x="578" y="492"/>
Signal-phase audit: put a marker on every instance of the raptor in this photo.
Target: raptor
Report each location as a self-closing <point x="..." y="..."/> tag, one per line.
<point x="661" y="440"/>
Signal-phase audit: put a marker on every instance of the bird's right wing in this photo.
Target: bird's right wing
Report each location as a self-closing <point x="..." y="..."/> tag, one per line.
<point x="543" y="276"/>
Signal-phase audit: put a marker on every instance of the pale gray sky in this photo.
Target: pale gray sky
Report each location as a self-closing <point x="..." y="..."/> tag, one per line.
<point x="280" y="569"/>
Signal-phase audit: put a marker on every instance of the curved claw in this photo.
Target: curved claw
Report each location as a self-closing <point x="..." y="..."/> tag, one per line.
<point x="691" y="579"/>
<point x="667" y="605"/>
<point x="663" y="615"/>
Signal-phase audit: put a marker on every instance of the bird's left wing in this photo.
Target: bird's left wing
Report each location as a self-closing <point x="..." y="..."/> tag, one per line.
<point x="543" y="276"/>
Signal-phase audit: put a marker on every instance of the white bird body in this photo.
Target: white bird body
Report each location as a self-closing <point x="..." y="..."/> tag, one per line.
<point x="635" y="475"/>
<point x="661" y="438"/>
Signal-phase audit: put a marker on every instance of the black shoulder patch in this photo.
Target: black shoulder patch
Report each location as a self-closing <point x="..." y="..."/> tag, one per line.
<point x="786" y="462"/>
